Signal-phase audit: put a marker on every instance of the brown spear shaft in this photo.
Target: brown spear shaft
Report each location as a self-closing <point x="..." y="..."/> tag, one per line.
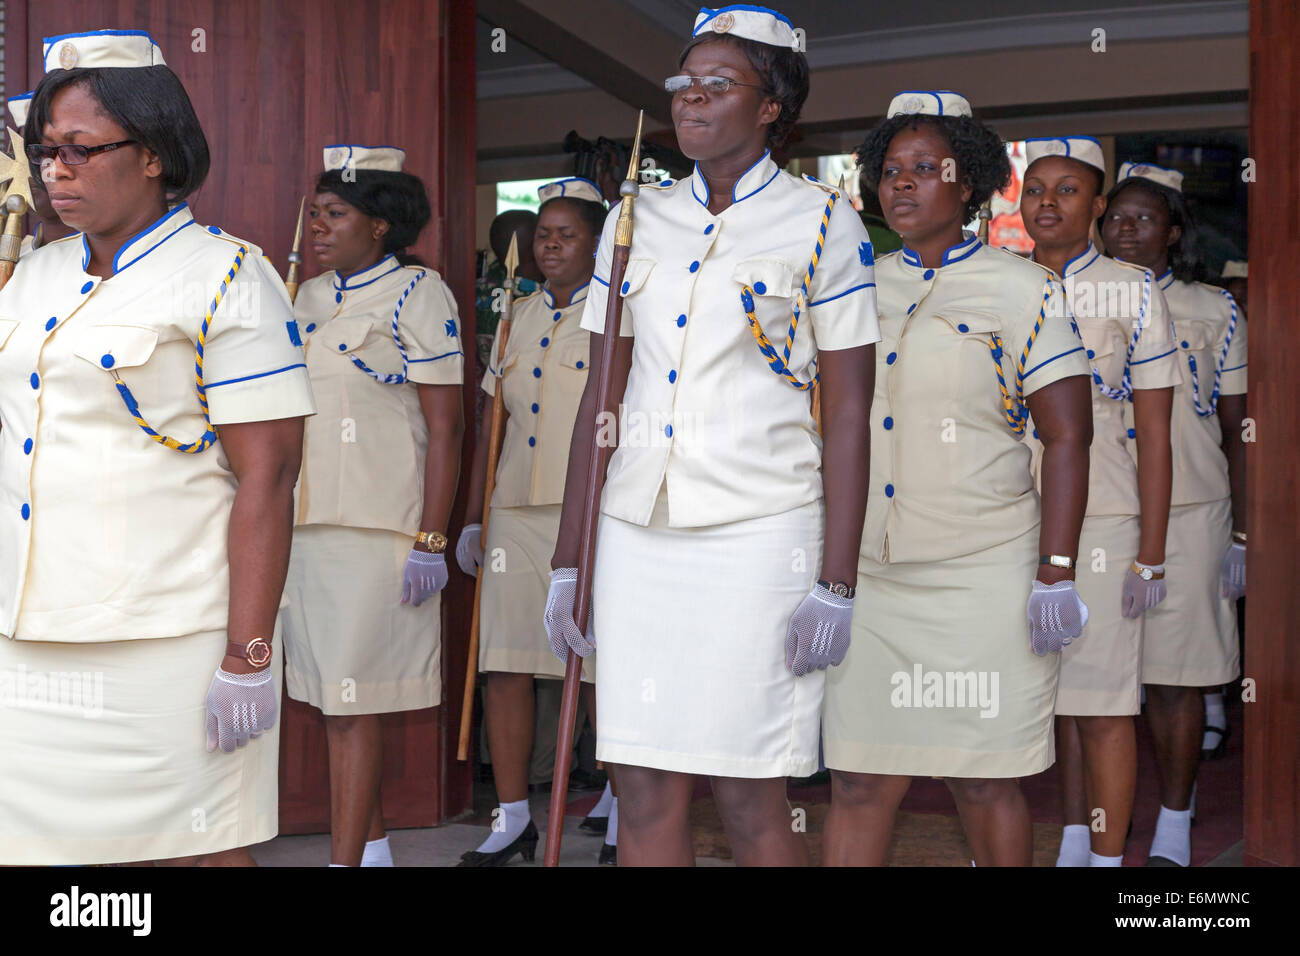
<point x="489" y="485"/>
<point x="591" y="504"/>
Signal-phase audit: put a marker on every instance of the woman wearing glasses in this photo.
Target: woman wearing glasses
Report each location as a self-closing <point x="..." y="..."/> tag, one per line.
<point x="727" y="546"/>
<point x="152" y="399"/>
<point x="380" y="464"/>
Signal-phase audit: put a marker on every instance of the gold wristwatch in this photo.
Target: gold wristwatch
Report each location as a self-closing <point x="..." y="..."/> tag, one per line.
<point x="1057" y="560"/>
<point x="1147" y="574"/>
<point x="434" y="541"/>
<point x="257" y="651"/>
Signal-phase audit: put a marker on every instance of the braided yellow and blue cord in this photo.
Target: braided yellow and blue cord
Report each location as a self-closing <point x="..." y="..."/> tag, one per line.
<point x="775" y="361"/>
<point x="1014" y="409"/>
<point x="209" y="437"/>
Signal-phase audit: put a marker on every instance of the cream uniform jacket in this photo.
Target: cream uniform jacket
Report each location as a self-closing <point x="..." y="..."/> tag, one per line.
<point x="1113" y="303"/>
<point x="703" y="411"/>
<point x="109" y="535"/>
<point x="949" y="476"/>
<point x="545" y="371"/>
<point x="1201" y="316"/>
<point x="363" y="455"/>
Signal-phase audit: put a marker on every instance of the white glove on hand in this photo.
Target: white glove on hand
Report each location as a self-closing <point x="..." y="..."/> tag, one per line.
<point x="559" y="623"/>
<point x="1139" y="595"/>
<point x="469" y="549"/>
<point x="240" y="707"/>
<point x="1057" y="615"/>
<point x="819" y="632"/>
<point x="425" y="575"/>
<point x="1232" y="577"/>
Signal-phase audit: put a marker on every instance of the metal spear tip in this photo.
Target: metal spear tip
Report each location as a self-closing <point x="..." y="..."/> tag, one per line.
<point x="634" y="161"/>
<point x="297" y="231"/>
<point x="512" y="255"/>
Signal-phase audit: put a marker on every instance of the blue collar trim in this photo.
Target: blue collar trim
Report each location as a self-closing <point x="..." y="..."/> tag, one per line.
<point x="148" y="239"/>
<point x="752" y="181"/>
<point x="969" y="245"/>
<point x="1089" y="256"/>
<point x="1166" y="280"/>
<point x="388" y="264"/>
<point x="579" y="295"/>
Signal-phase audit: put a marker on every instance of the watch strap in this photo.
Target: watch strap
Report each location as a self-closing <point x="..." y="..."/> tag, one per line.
<point x="838" y="588"/>
<point x="257" y="651"/>
<point x="1057" y="560"/>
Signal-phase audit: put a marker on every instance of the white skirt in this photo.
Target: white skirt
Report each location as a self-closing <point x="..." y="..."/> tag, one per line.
<point x="103" y="754"/>
<point x="690" y="626"/>
<point x="516" y="579"/>
<point x="1190" y="638"/>
<point x="1100" y="669"/>
<point x="351" y="646"/>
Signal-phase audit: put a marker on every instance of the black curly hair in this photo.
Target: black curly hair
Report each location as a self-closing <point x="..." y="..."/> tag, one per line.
<point x="397" y="198"/>
<point x="981" y="155"/>
<point x="784" y="74"/>
<point x="1184" y="255"/>
<point x="590" y="212"/>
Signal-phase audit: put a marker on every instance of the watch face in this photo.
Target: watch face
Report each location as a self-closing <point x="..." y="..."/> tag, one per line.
<point x="258" y="652"/>
<point x="1146" y="574"/>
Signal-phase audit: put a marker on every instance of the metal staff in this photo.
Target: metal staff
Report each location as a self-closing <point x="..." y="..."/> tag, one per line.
<point x="17" y="200"/>
<point x="605" y="403"/>
<point x="985" y="216"/>
<point x="295" y="257"/>
<point x="494" y="451"/>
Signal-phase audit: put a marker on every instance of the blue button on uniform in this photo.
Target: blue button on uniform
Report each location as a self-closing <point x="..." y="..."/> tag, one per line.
<point x="556" y="316"/>
<point x="889" y="491"/>
<point x="27" y="447"/>
<point x="910" y="308"/>
<point x="1185" y="344"/>
<point x="545" y="341"/>
<point x="51" y="324"/>
<point x="215" y="230"/>
<point x="87" y="287"/>
<point x="891" y="358"/>
<point x="36" y="380"/>
<point x="708" y="229"/>
<point x="760" y="288"/>
<point x="681" y="320"/>
<point x="672" y="375"/>
<point x="1091" y="354"/>
<point x="338" y="296"/>
<point x="311" y="327"/>
<point x="537" y="373"/>
<point x="536" y="408"/>
<point x="343" y="347"/>
<point x="626" y="286"/>
<point x="1131" y="433"/>
<point x="963" y="327"/>
<point x="929" y="274"/>
<point x="888" y="423"/>
<point x="668" y="430"/>
<point x="106" y="361"/>
<point x="531" y="441"/>
<point x="695" y="266"/>
<point x="26" y="511"/>
<point x="580" y="363"/>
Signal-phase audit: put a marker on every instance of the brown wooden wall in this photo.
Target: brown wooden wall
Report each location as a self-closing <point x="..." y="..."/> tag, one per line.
<point x="277" y="81"/>
<point x="1272" y="742"/>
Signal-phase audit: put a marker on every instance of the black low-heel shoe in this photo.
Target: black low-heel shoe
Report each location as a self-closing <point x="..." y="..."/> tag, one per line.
<point x="595" y="825"/>
<point x="608" y="855"/>
<point x="1218" y="750"/>
<point x="525" y="845"/>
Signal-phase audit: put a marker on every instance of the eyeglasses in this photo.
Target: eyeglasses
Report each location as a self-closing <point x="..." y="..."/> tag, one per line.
<point x="70" y="154"/>
<point x="712" y="85"/>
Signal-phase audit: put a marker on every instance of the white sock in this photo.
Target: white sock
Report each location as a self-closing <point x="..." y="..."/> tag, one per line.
<point x="1214" y="717"/>
<point x="1096" y="859"/>
<point x="1074" y="845"/>
<point x="601" y="809"/>
<point x="1173" y="839"/>
<point x="507" y="824"/>
<point x="611" y="835"/>
<point x="377" y="853"/>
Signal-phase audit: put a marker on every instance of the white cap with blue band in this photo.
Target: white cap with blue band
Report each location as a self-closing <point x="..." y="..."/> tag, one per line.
<point x="1083" y="148"/>
<point x="1170" y="178"/>
<point x="352" y="156"/>
<point x="928" y="103"/>
<point x="743" y="20"/>
<point x="101" y="48"/>
<point x="575" y="187"/>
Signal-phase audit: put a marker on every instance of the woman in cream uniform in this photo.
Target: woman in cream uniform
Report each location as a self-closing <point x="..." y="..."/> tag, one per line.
<point x="722" y="581"/>
<point x="152" y="401"/>
<point x="1122" y="317"/>
<point x="945" y="677"/>
<point x="543" y="375"/>
<point x="380" y="465"/>
<point x="1190" y="640"/>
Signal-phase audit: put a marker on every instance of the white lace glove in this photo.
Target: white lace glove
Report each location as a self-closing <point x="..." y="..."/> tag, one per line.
<point x="819" y="632"/>
<point x="425" y="576"/>
<point x="1141" y="595"/>
<point x="559" y="623"/>
<point x="1232" y="577"/>
<point x="469" y="549"/>
<point x="1057" y="616"/>
<point x="240" y="707"/>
